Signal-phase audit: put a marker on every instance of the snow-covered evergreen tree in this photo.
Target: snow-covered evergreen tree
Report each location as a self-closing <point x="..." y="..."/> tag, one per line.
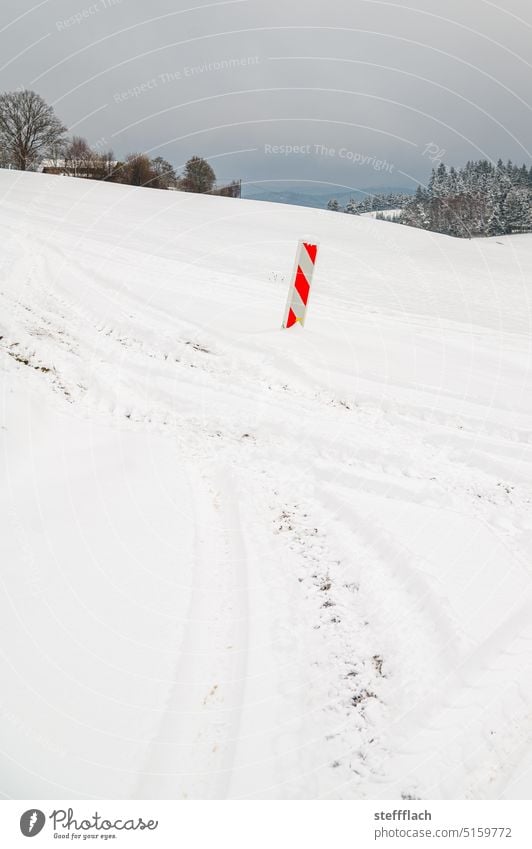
<point x="517" y="210"/>
<point x="479" y="199"/>
<point x="351" y="207"/>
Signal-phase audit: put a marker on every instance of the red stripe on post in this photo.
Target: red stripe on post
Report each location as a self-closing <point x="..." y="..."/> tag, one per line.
<point x="312" y="251"/>
<point x="291" y="318"/>
<point x="302" y="286"/>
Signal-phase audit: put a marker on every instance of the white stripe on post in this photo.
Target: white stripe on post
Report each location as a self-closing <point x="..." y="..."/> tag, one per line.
<point x="299" y="289"/>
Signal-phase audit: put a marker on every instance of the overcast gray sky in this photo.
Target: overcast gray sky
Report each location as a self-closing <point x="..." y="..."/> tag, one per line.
<point x="373" y="92"/>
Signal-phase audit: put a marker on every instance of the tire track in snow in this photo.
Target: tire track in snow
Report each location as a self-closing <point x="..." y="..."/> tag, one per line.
<point x="194" y="751"/>
<point x="441" y="744"/>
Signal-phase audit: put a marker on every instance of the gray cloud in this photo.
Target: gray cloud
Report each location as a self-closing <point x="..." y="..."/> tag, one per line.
<point x="369" y="91"/>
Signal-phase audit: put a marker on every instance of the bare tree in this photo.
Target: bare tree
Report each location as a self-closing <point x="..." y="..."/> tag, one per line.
<point x="231" y="190"/>
<point x="29" y="127"/>
<point x="108" y="164"/>
<point x="198" y="176"/>
<point x="80" y="160"/>
<point x="102" y="165"/>
<point x="56" y="154"/>
<point x="5" y="159"/>
<point x="137" y="170"/>
<point x="78" y="157"/>
<point x="165" y="176"/>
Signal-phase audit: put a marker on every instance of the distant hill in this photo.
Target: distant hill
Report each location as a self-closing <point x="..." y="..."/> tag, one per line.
<point x="303" y="195"/>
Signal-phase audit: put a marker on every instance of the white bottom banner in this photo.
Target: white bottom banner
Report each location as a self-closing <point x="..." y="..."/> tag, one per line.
<point x="268" y="824"/>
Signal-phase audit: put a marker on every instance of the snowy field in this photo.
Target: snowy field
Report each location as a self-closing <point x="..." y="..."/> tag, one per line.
<point x="240" y="562"/>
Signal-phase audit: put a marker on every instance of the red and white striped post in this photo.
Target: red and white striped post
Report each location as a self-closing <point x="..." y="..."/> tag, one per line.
<point x="299" y="290"/>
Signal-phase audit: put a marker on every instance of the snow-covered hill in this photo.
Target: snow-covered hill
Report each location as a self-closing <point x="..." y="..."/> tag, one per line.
<point x="245" y="562"/>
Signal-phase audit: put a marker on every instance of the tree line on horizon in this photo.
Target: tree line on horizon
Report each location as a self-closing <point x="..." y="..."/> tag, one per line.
<point x="371" y="203"/>
<point x="32" y="136"/>
<point x="480" y="199"/>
